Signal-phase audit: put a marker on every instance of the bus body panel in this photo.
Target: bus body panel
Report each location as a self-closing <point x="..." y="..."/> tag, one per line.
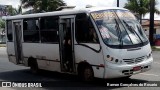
<point x="115" y="70"/>
<point x="95" y="59"/>
<point x="11" y="52"/>
<point x="47" y="55"/>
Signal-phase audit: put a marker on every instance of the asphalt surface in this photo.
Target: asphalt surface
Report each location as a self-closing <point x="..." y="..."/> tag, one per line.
<point x="58" y="81"/>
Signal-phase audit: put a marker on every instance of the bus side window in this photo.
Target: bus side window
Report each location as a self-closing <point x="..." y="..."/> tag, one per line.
<point x="49" y="28"/>
<point x="85" y="31"/>
<point x="93" y="37"/>
<point x="31" y="30"/>
<point x="9" y="31"/>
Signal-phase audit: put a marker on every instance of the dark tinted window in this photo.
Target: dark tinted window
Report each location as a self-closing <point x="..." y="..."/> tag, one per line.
<point x="85" y="31"/>
<point x="9" y="31"/>
<point x="49" y="29"/>
<point x="31" y="30"/>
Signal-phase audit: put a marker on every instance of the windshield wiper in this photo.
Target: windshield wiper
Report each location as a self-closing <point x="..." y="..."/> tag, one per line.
<point x="132" y="30"/>
<point x="119" y="34"/>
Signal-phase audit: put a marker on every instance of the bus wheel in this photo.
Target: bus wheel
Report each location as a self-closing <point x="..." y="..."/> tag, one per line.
<point x="34" y="67"/>
<point x="87" y="73"/>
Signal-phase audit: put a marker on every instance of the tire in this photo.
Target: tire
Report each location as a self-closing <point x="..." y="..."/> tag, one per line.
<point x="87" y="74"/>
<point x="34" y="67"/>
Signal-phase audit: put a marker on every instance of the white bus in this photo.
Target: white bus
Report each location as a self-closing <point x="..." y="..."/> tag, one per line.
<point x="91" y="42"/>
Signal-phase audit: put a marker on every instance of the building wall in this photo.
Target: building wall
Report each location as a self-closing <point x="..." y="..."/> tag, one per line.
<point x="146" y="29"/>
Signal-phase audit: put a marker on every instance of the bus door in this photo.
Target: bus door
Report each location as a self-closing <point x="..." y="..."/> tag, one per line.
<point x="66" y="29"/>
<point x="17" y="27"/>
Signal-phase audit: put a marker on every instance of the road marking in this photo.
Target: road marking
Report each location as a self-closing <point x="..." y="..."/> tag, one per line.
<point x="156" y="63"/>
<point x="149" y="74"/>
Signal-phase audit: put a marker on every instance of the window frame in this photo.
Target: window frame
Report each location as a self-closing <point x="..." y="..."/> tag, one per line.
<point x="38" y="41"/>
<point x="57" y="31"/>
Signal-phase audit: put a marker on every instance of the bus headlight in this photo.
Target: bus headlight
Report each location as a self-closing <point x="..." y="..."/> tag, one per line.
<point x="109" y="58"/>
<point x="113" y="60"/>
<point x="149" y="55"/>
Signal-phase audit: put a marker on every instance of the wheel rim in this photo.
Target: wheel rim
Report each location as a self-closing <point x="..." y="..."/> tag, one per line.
<point x="88" y="74"/>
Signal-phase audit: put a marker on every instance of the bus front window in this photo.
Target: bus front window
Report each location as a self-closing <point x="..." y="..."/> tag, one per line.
<point x="108" y="31"/>
<point x="132" y="26"/>
<point x="119" y="27"/>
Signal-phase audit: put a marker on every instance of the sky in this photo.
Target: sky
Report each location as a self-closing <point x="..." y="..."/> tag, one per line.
<point x="78" y="3"/>
<point x="82" y="3"/>
<point x="14" y="3"/>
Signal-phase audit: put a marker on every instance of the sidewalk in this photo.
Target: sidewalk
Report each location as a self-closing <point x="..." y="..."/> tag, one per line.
<point x="2" y="45"/>
<point x="3" y="52"/>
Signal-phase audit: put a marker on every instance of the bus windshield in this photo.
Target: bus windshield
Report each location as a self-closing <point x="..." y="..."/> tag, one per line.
<point x="119" y="27"/>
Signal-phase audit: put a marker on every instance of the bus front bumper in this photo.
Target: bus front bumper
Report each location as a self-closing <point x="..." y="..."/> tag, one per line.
<point x="117" y="71"/>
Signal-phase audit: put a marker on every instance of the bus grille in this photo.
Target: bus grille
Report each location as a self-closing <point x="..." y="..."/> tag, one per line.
<point x="134" y="60"/>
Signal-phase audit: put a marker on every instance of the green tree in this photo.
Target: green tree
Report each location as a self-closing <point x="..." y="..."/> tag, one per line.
<point x="42" y="5"/>
<point x="10" y="10"/>
<point x="19" y="9"/>
<point x="2" y="23"/>
<point x="13" y="11"/>
<point x="140" y="7"/>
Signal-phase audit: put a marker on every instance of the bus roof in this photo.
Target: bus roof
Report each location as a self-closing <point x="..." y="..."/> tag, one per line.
<point x="62" y="12"/>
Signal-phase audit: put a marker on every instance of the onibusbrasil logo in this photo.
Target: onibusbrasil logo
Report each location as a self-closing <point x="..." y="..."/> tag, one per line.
<point x="18" y="84"/>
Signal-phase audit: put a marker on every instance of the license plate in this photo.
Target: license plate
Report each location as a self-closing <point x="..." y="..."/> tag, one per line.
<point x="137" y="68"/>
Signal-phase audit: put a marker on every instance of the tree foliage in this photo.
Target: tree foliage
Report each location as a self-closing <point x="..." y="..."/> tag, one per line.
<point x="19" y="9"/>
<point x="13" y="11"/>
<point x="10" y="10"/>
<point x="2" y="23"/>
<point x="140" y="7"/>
<point x="42" y="5"/>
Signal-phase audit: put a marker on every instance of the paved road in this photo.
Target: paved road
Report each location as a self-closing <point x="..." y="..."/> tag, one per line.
<point x="11" y="72"/>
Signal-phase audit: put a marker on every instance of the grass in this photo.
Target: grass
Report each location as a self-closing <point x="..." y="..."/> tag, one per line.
<point x="2" y="45"/>
<point x="154" y="48"/>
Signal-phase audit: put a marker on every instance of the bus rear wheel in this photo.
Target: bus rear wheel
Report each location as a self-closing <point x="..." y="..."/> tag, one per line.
<point x="34" y="67"/>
